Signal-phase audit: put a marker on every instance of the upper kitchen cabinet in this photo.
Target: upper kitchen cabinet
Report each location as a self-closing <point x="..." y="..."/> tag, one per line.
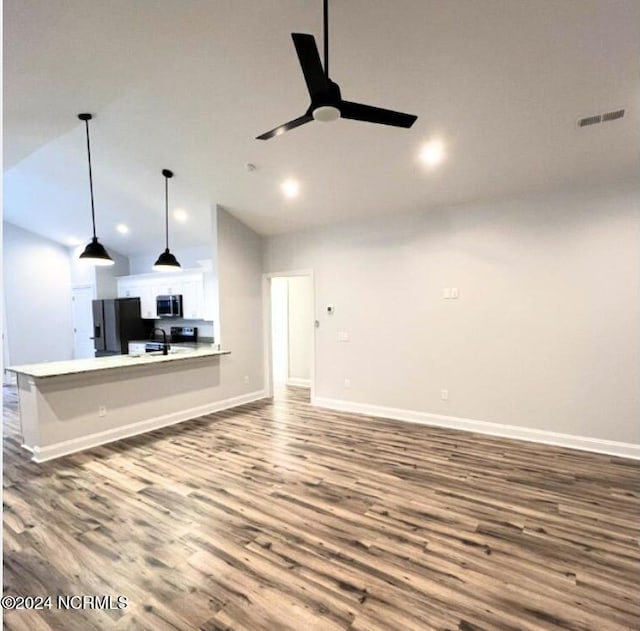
<point x="193" y="298"/>
<point x="189" y="284"/>
<point x="132" y="287"/>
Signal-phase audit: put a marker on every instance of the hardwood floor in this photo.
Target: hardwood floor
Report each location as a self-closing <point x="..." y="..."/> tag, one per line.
<point x="277" y="516"/>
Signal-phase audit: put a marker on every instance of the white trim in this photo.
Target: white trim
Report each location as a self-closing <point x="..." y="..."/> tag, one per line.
<point x="49" y="452"/>
<point x="299" y="383"/>
<point x="585" y="443"/>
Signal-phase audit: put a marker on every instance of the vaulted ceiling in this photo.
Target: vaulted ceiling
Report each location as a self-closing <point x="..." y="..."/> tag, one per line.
<point x="188" y="86"/>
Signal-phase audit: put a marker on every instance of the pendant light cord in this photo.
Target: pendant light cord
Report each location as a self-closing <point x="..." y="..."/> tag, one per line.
<point x="326" y="38"/>
<point x="166" y="210"/>
<point x="93" y="210"/>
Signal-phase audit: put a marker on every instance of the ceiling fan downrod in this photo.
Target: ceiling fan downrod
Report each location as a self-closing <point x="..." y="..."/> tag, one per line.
<point x="326" y="39"/>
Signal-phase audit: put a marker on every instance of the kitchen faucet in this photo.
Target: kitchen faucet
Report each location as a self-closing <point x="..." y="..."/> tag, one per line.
<point x="165" y="350"/>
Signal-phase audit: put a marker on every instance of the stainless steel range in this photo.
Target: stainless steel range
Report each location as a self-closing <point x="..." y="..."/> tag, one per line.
<point x="184" y="334"/>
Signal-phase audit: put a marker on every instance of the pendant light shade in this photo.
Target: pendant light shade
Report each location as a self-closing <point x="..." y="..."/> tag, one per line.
<point x="166" y="262"/>
<point x="95" y="252"/>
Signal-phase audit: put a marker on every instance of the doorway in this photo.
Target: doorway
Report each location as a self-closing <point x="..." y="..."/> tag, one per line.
<point x="291" y="335"/>
<point x="83" y="345"/>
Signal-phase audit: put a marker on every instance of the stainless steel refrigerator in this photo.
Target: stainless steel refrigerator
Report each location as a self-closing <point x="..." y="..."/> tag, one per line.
<point x="115" y="323"/>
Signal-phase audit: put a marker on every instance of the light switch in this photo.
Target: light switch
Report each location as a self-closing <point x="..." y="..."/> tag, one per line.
<point x="446" y="293"/>
<point x="343" y="336"/>
<point x="454" y="293"/>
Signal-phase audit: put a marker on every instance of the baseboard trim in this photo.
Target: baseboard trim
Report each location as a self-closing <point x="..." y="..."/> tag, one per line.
<point x="299" y="383"/>
<point x="64" y="448"/>
<point x="584" y="443"/>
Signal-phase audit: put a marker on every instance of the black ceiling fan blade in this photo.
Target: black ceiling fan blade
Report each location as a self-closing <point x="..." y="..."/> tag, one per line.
<point x="370" y="114"/>
<point x="296" y="122"/>
<point x="314" y="75"/>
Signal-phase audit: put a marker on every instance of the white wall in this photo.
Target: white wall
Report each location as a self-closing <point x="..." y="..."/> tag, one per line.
<point x="106" y="284"/>
<point x="37" y="294"/>
<point x="239" y="265"/>
<point x="544" y="335"/>
<point x="82" y="273"/>
<point x="300" y="316"/>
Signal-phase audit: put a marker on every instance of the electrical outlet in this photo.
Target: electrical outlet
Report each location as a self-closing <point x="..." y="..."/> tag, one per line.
<point x="246" y="379"/>
<point x="102" y="410"/>
<point x="444" y="395"/>
<point x="347" y="383"/>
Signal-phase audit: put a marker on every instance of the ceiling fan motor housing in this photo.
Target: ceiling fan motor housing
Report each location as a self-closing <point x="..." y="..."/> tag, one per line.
<point x="326" y="113"/>
<point x="326" y="107"/>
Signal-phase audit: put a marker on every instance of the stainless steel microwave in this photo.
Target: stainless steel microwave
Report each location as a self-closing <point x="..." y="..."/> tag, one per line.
<point x="169" y="306"/>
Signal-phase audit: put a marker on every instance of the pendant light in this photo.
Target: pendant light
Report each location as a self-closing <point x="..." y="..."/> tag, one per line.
<point x="94" y="253"/>
<point x="166" y="262"/>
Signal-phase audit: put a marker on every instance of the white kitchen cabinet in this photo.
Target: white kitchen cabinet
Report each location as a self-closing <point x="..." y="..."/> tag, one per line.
<point x="130" y="287"/>
<point x="192" y="299"/>
<point x="189" y="284"/>
<point x="169" y="286"/>
<point x="148" y="302"/>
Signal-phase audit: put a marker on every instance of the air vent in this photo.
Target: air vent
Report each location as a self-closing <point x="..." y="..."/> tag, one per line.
<point x="589" y="120"/>
<point x="611" y="116"/>
<point x="600" y="118"/>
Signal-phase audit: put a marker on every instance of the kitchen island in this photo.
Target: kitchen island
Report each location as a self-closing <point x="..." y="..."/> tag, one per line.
<point x="69" y="406"/>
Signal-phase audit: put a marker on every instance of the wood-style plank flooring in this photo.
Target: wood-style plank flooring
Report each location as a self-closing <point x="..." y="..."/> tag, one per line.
<point x="280" y="517"/>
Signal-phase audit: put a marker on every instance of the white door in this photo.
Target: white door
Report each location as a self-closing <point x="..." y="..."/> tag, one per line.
<point x="83" y="347"/>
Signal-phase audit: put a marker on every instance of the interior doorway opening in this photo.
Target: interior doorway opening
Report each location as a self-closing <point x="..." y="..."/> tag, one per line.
<point x="291" y="335"/>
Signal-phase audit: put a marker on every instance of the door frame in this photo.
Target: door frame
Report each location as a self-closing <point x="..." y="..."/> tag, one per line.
<point x="266" y="327"/>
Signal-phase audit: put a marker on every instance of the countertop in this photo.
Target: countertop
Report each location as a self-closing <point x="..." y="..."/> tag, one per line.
<point x="204" y="342"/>
<point x="74" y="366"/>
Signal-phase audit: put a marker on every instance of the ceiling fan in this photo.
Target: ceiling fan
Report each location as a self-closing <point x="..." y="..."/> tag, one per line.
<point x="327" y="103"/>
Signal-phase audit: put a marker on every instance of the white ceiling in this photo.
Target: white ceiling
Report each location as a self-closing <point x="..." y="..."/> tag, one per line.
<point x="188" y="85"/>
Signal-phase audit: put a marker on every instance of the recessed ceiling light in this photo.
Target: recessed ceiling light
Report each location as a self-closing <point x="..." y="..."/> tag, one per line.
<point x="73" y="241"/>
<point x="180" y="214"/>
<point x="122" y="229"/>
<point x="290" y="188"/>
<point x="432" y="153"/>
